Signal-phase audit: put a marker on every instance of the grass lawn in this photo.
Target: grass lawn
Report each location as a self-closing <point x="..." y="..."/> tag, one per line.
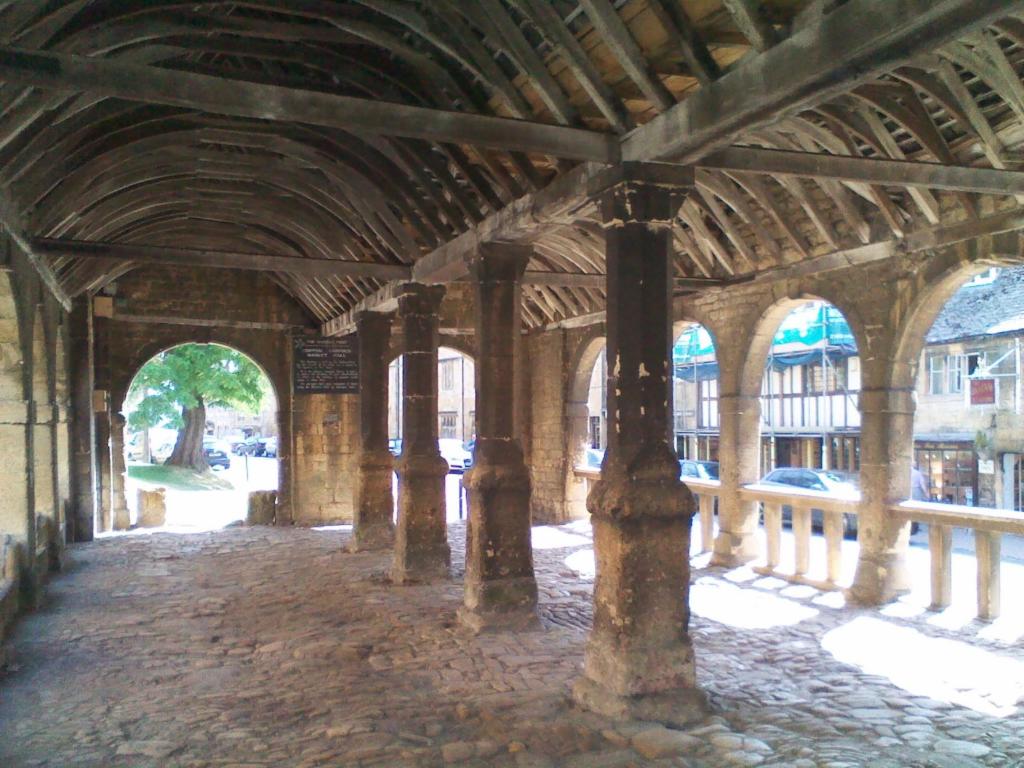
<point x="177" y="478"/>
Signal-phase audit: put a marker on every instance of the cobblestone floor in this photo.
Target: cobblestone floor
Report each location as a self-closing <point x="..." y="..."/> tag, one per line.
<point x="270" y="647"/>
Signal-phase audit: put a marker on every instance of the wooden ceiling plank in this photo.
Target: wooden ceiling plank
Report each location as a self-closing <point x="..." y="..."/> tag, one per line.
<point x="617" y="37"/>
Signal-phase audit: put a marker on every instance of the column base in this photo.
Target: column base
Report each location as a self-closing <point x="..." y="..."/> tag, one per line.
<point x="501" y="605"/>
<point x="734" y="549"/>
<point x="372" y="538"/>
<point x="678" y="708"/>
<point x="879" y="579"/>
<point x="431" y="567"/>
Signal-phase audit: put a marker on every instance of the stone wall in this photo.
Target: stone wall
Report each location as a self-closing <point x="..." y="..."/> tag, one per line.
<point x="156" y="308"/>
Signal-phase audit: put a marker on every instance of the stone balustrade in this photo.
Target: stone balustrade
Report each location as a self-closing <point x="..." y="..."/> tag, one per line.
<point x="988" y="526"/>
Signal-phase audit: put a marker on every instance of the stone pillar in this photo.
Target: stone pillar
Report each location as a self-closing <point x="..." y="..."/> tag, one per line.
<point x="421" y="540"/>
<point x="739" y="448"/>
<point x="639" y="660"/>
<point x="501" y="591"/>
<point x="101" y="313"/>
<point x="118" y="500"/>
<point x="374" y="503"/>
<point x="886" y="453"/>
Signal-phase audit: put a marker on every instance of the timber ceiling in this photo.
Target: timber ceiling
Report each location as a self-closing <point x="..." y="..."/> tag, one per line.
<point x="151" y="171"/>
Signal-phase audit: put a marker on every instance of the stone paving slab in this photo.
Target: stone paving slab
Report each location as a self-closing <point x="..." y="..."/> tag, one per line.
<point x="275" y="647"/>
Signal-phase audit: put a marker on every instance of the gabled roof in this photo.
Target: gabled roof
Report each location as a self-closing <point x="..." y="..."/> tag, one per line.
<point x="982" y="309"/>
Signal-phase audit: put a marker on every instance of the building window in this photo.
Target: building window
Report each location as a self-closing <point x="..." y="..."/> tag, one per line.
<point x="449" y="422"/>
<point x="936" y="374"/>
<point x="447" y="375"/>
<point x="595" y="432"/>
<point x="955" y="369"/>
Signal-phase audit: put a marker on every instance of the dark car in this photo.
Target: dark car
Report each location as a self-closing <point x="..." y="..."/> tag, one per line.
<point x="820" y="480"/>
<point x="249" y="447"/>
<point x="216" y="455"/>
<point x="701" y="470"/>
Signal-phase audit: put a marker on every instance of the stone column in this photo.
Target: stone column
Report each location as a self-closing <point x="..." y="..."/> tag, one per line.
<point x="101" y="314"/>
<point x="83" y="430"/>
<point x="118" y="500"/>
<point x="639" y="660"/>
<point x="886" y="453"/>
<point x="501" y="591"/>
<point x="421" y="540"/>
<point x="739" y="448"/>
<point x="374" y="502"/>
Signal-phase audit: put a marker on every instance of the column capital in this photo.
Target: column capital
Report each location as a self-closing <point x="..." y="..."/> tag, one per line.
<point x="645" y="193"/>
<point x="419" y="299"/>
<point x="499" y="262"/>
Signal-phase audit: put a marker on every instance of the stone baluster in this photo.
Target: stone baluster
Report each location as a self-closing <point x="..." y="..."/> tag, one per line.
<point x="639" y="660"/>
<point x="739" y="446"/>
<point x="501" y="592"/>
<point x="988" y="551"/>
<point x="421" y="539"/>
<point x="374" y="503"/>
<point x="940" y="547"/>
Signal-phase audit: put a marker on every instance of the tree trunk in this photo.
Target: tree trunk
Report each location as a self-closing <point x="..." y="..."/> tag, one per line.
<point x="188" y="449"/>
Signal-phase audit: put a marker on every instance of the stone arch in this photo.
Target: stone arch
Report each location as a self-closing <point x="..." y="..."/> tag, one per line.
<point x="43" y="443"/>
<point x="455" y="342"/>
<point x="927" y="305"/>
<point x="122" y="381"/>
<point x="62" y="400"/>
<point x="576" y="413"/>
<point x="685" y="391"/>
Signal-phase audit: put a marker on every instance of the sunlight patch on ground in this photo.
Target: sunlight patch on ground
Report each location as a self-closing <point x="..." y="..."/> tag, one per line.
<point x="548" y="537"/>
<point x="332" y="528"/>
<point x="945" y="670"/>
<point x="713" y="599"/>
<point x="582" y="562"/>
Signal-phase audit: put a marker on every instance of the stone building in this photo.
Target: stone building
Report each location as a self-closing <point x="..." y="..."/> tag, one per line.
<point x="456" y="397"/>
<point x="525" y="182"/>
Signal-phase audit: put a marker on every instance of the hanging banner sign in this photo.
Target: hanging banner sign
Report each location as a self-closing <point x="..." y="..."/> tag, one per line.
<point x="983" y="391"/>
<point x="325" y="366"/>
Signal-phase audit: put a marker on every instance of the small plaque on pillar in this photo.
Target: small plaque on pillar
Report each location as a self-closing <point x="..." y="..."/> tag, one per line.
<point x="325" y="366"/>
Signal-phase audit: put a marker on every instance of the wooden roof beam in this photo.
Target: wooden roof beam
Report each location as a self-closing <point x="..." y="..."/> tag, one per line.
<point x="868" y="170"/>
<point x="260" y="101"/>
<point x="147" y="254"/>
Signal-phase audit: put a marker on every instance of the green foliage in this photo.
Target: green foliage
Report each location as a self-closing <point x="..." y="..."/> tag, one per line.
<point x="191" y="375"/>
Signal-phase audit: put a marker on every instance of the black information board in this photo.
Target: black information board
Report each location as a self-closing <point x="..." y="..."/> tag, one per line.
<point x="325" y="366"/>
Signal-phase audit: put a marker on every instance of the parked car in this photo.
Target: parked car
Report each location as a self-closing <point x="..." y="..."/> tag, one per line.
<point x="395" y="445"/>
<point x="820" y="480"/>
<point x="269" y="448"/>
<point x="216" y="453"/>
<point x="701" y="470"/>
<point x="455" y="453"/>
<point x="248" y="447"/>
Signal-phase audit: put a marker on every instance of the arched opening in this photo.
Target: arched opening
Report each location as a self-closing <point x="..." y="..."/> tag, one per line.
<point x="44" y="485"/>
<point x="695" y="420"/>
<point x="809" y="390"/>
<point x="586" y="418"/>
<point x="206" y="399"/>
<point x="964" y="349"/>
<point x="456" y="419"/>
<point x="62" y="401"/>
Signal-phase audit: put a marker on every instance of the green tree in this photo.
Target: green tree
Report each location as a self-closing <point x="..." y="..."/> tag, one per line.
<point x="176" y="386"/>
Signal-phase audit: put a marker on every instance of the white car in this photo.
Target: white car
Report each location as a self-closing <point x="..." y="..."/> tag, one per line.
<point x="455" y="453"/>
